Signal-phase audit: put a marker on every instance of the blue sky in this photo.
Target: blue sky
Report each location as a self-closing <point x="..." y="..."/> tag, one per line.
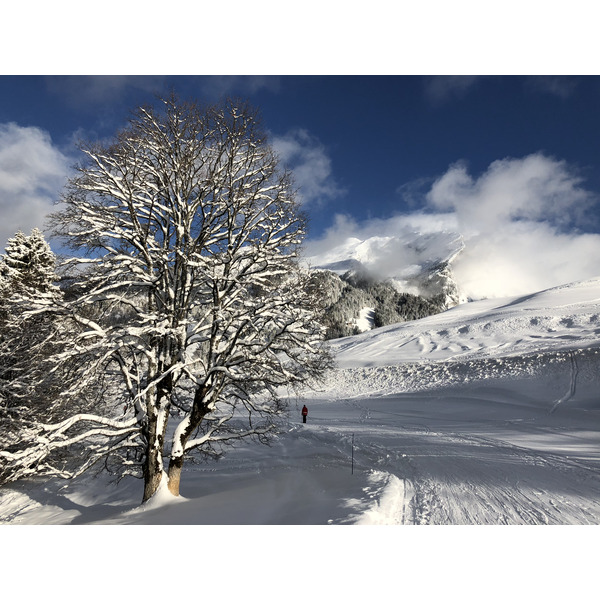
<point x="371" y="154"/>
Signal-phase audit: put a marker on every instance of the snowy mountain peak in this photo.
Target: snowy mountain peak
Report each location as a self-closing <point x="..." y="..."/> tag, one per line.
<point x="391" y="256"/>
<point x="415" y="262"/>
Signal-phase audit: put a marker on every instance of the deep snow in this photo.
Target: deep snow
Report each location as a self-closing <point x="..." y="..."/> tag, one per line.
<point x="488" y="413"/>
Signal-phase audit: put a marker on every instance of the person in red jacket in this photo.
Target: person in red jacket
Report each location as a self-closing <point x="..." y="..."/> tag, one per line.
<point x="304" y="413"/>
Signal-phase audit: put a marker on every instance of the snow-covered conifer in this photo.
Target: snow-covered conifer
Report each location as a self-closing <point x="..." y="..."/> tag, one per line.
<point x="28" y="265"/>
<point x="28" y="335"/>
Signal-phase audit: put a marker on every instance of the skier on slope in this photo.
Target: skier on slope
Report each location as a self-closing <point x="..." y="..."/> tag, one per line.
<point x="304" y="413"/>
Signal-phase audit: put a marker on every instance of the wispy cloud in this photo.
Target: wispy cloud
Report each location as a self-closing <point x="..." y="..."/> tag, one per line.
<point x="444" y="88"/>
<point x="307" y="158"/>
<point x="90" y="91"/>
<point x="217" y="86"/>
<point x="556" y="85"/>
<point x="32" y="174"/>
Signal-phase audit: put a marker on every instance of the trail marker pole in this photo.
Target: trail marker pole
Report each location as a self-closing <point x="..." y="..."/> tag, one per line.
<point x="352" y="454"/>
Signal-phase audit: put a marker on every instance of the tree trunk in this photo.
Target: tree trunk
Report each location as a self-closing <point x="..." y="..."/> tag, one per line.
<point x="174" y="474"/>
<point x="176" y="461"/>
<point x="153" y="467"/>
<point x="158" y="416"/>
<point x="153" y="473"/>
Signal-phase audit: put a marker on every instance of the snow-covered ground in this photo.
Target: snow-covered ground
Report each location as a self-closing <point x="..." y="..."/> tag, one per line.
<point x="488" y="413"/>
<point x="365" y="320"/>
<point x="485" y="414"/>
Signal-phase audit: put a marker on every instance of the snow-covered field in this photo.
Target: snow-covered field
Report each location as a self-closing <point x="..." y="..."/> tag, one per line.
<point x="488" y="413"/>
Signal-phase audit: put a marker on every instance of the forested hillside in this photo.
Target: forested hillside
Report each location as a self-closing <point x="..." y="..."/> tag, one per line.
<point x="347" y="295"/>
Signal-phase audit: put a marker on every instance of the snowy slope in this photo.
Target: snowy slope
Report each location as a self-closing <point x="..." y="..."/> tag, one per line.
<point x="488" y="413"/>
<point x="561" y="318"/>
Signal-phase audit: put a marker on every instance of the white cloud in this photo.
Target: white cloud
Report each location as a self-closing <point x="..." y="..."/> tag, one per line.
<point x="32" y="175"/>
<point x="519" y="223"/>
<point x="523" y="257"/>
<point x="534" y="188"/>
<point x="345" y="226"/>
<point x="307" y="158"/>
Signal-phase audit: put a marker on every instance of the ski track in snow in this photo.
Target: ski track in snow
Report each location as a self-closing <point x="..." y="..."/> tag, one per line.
<point x="426" y="477"/>
<point x="495" y="483"/>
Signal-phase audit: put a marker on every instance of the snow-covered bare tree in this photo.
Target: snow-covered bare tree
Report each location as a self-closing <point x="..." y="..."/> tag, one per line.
<point x="192" y="310"/>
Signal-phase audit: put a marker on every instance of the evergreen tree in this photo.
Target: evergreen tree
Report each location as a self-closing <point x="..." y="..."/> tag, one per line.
<point x="28" y="334"/>
<point x="28" y="266"/>
<point x="347" y="295"/>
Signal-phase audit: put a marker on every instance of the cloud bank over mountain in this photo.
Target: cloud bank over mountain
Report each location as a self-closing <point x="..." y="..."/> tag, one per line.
<point x="521" y="222"/>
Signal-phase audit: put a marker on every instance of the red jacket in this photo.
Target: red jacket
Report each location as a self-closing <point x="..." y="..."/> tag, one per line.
<point x="304" y="411"/>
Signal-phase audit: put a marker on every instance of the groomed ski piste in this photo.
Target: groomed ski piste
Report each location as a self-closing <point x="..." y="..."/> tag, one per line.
<point x="486" y="414"/>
